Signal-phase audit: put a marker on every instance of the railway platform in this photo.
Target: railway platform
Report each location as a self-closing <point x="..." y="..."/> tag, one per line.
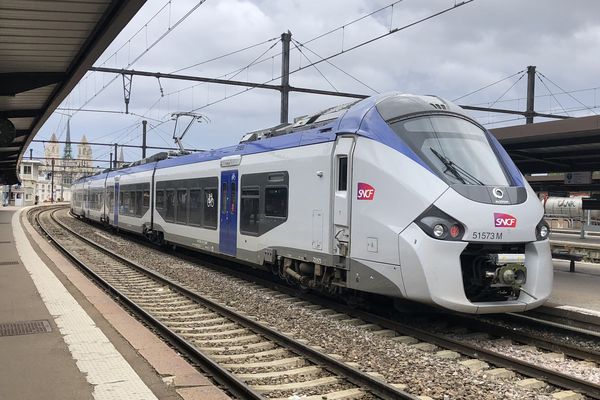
<point x="574" y="237"/>
<point x="66" y="339"/>
<point x="577" y="291"/>
<point x="61" y="337"/>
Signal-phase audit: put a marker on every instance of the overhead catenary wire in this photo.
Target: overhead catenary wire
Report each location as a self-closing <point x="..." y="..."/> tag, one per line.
<point x="538" y="96"/>
<point x="160" y="38"/>
<point x="391" y="32"/>
<point x="266" y="59"/>
<point x="507" y="90"/>
<point x="565" y="92"/>
<point x="504" y="120"/>
<point x="324" y="59"/>
<point x="303" y="45"/>
<point x="489" y="85"/>
<point x="347" y="24"/>
<point x="232" y="73"/>
<point x="552" y="94"/>
<point x="225" y="55"/>
<point x="128" y="42"/>
<point x="317" y="68"/>
<point x="331" y="31"/>
<point x="254" y="60"/>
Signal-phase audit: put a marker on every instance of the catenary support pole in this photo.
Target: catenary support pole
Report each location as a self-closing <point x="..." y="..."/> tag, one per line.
<point x="285" y="76"/>
<point x="52" y="184"/>
<point x="530" y="94"/>
<point x="144" y="122"/>
<point x="115" y="159"/>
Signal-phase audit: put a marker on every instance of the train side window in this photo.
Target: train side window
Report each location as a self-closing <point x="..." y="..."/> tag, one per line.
<point x="170" y="205"/>
<point x="182" y="203"/>
<point x="160" y="200"/>
<point x="210" y="208"/>
<point x="132" y="203"/>
<point x="249" y="210"/>
<point x="195" y="217"/>
<point x="276" y="202"/>
<point x="146" y="202"/>
<point x="124" y="203"/>
<point x="139" y="201"/>
<point x="223" y="197"/>
<point x="111" y="199"/>
<point x="342" y="173"/>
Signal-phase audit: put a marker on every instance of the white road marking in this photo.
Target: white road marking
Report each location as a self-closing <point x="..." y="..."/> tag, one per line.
<point x="96" y="357"/>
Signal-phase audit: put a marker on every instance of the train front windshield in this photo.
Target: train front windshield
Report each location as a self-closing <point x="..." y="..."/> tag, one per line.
<point x="454" y="148"/>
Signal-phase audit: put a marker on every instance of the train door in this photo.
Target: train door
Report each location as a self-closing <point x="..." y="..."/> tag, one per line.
<point x="342" y="199"/>
<point x="88" y="200"/>
<point x="228" y="226"/>
<point x="116" y="204"/>
<point x="106" y="202"/>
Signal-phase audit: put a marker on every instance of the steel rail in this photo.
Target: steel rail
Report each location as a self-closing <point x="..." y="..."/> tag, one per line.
<point x="234" y="385"/>
<point x="530" y="338"/>
<point x="536" y="320"/>
<point x="360" y="379"/>
<point x="528" y="369"/>
<point x="571" y="317"/>
<point x="553" y="377"/>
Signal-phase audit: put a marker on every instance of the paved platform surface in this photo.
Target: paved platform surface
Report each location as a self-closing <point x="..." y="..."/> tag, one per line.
<point x="88" y="347"/>
<point x="37" y="365"/>
<point x="574" y="238"/>
<point x="579" y="289"/>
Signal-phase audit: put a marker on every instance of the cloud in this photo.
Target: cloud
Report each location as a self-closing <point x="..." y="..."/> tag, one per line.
<point x="450" y="55"/>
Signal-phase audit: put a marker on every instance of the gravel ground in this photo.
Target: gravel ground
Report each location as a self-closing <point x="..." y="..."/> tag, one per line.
<point x="547" y="359"/>
<point x="422" y="372"/>
<point x="571" y="338"/>
<point x="554" y="361"/>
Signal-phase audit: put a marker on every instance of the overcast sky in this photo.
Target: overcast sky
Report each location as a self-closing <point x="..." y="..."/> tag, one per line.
<point x="450" y="55"/>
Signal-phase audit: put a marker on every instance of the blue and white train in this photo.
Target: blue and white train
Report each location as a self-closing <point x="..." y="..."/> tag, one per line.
<point x="399" y="195"/>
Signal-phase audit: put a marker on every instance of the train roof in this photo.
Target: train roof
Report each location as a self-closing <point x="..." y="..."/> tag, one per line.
<point x="316" y="128"/>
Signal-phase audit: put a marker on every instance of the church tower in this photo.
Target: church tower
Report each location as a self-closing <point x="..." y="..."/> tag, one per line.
<point x="68" y="153"/>
<point x="121" y="160"/>
<point x="52" y="150"/>
<point x="84" y="154"/>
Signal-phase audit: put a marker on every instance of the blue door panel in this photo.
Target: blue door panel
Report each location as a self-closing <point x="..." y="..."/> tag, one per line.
<point x="228" y="212"/>
<point x="116" y="207"/>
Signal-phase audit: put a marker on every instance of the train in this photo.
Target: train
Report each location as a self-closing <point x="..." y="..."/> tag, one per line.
<point x="398" y="195"/>
<point x="567" y="207"/>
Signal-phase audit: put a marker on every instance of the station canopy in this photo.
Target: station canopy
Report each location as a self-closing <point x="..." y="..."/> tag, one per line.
<point x="46" y="47"/>
<point x="567" y="145"/>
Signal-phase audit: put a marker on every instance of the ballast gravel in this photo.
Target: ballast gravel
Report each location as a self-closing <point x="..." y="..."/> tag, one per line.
<point x="423" y="373"/>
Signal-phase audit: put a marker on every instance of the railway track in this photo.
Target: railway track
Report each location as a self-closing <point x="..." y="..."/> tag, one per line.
<point x="568" y="317"/>
<point x="527" y="330"/>
<point x="465" y="348"/>
<point x="247" y="358"/>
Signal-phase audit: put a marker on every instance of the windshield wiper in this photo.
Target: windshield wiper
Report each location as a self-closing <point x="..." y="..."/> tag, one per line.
<point x="456" y="170"/>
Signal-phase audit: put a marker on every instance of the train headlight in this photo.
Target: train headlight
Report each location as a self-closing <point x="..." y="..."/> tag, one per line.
<point x="439" y="225"/>
<point x="542" y="230"/>
<point x="439" y="231"/>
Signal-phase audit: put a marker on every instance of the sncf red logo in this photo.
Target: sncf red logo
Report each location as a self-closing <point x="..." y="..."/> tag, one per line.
<point x="365" y="191"/>
<point x="504" y="220"/>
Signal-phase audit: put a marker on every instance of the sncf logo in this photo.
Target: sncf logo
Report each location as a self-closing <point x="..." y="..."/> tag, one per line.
<point x="504" y="221"/>
<point x="365" y="191"/>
